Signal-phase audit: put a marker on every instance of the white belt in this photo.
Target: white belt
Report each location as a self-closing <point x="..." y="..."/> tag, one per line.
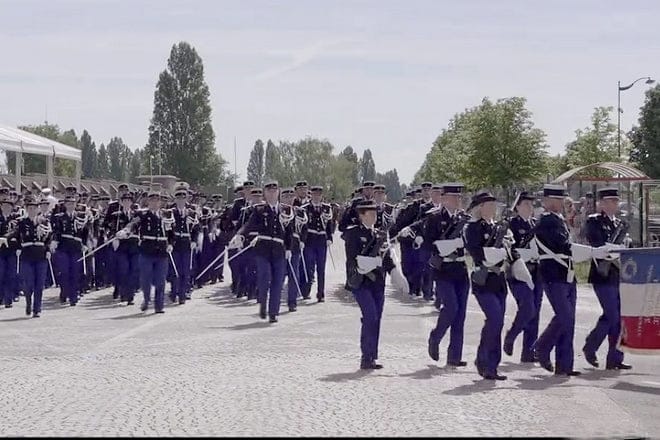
<point x="32" y="243"/>
<point x="71" y="237"/>
<point x="312" y="231"/>
<point x="552" y="257"/>
<point x="296" y="235"/>
<point x="131" y="236"/>
<point x="151" y="237"/>
<point x="452" y="260"/>
<point x="182" y="234"/>
<point x="275" y="239"/>
<point x="253" y="233"/>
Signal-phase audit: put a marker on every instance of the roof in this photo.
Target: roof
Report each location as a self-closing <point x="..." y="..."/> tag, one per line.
<point x="624" y="171"/>
<point x="14" y="139"/>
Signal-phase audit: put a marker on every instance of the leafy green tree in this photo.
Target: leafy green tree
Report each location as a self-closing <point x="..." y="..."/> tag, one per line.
<point x="392" y="185"/>
<point x="352" y="157"/>
<point x="88" y="150"/>
<point x="118" y="158"/>
<point x="181" y="134"/>
<point x="102" y="163"/>
<point x="645" y="139"/>
<point x="255" y="169"/>
<point x="596" y="143"/>
<point x="367" y="167"/>
<point x="273" y="166"/>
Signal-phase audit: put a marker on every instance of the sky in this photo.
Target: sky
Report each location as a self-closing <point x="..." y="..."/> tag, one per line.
<point x="381" y="74"/>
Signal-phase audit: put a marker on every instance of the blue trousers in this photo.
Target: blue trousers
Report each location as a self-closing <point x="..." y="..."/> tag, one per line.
<point x="270" y="278"/>
<point x="153" y="272"/>
<point x="128" y="274"/>
<point x="489" y="352"/>
<point x="315" y="256"/>
<point x="609" y="323"/>
<point x="371" y="300"/>
<point x="527" y="316"/>
<point x="180" y="283"/>
<point x="407" y="262"/>
<point x="454" y="294"/>
<point x="69" y="272"/>
<point x="33" y="274"/>
<point x="292" y="288"/>
<point x="250" y="275"/>
<point x="7" y="277"/>
<point x="218" y="248"/>
<point x="559" y="332"/>
<point x="235" y="269"/>
<point x="420" y="273"/>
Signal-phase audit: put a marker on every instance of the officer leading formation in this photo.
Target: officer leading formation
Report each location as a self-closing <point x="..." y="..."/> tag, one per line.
<point x="272" y="235"/>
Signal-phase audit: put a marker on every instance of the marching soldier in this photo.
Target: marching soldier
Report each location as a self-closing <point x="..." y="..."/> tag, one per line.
<point x="300" y="189"/>
<point x="33" y="235"/>
<point x="8" y="248"/>
<point x="126" y="250"/>
<point x="224" y="232"/>
<point x="367" y="263"/>
<point x="273" y="224"/>
<point x="602" y="229"/>
<point x="557" y="256"/>
<point x="298" y="237"/>
<point x="70" y="233"/>
<point x="155" y="250"/>
<point x="444" y="230"/>
<point x="528" y="300"/>
<point x="186" y="238"/>
<point x="385" y="213"/>
<point x="319" y="237"/>
<point x="488" y="283"/>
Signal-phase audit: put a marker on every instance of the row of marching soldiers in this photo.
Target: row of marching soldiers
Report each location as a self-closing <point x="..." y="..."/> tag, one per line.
<point x="529" y="256"/>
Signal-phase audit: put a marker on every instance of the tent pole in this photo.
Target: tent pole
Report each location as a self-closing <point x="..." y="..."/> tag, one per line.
<point x="19" y="161"/>
<point x="49" y="170"/>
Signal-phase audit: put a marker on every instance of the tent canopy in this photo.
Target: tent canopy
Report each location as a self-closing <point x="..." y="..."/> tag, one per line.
<point x="14" y="139"/>
<point x="626" y="173"/>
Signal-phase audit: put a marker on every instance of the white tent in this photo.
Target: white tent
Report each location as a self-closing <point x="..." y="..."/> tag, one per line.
<point x="23" y="142"/>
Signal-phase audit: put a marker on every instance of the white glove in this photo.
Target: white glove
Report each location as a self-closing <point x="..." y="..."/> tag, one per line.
<point x="3" y="241"/>
<point x="521" y="273"/>
<point x="447" y="247"/>
<point x="115" y="244"/>
<point x="328" y="242"/>
<point x="419" y="240"/>
<point x="236" y="242"/>
<point x="302" y="246"/>
<point x="600" y="252"/>
<point x="287" y="254"/>
<point x="406" y="232"/>
<point x="580" y="252"/>
<point x="367" y="264"/>
<point x="193" y="245"/>
<point x="528" y="254"/>
<point x="18" y="252"/>
<point x="494" y="255"/>
<point x="84" y="249"/>
<point x="47" y="255"/>
<point x="93" y="243"/>
<point x="169" y="248"/>
<point x="122" y="234"/>
<point x="53" y="245"/>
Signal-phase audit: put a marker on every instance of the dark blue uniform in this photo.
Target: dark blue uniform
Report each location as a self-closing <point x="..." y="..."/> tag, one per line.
<point x="8" y="278"/>
<point x="273" y="239"/>
<point x="319" y="232"/>
<point x="451" y="283"/>
<point x="70" y="231"/>
<point x="491" y="296"/>
<point x="528" y="300"/>
<point x="126" y="256"/>
<point x="33" y="237"/>
<point x="369" y="289"/>
<point x="557" y="273"/>
<point x="298" y="238"/>
<point x="184" y="233"/>
<point x="604" y="275"/>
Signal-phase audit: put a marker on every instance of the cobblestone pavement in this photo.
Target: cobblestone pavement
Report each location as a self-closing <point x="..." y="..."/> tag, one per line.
<point x="212" y="367"/>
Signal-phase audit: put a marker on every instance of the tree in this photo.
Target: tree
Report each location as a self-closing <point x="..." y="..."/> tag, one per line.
<point x="557" y="165"/>
<point x="255" y="169"/>
<point x="645" y="150"/>
<point x="117" y="158"/>
<point x="352" y="158"/>
<point x="493" y="145"/>
<point x="392" y="185"/>
<point x="88" y="148"/>
<point x="102" y="165"/>
<point x="180" y="134"/>
<point x="135" y="167"/>
<point x="596" y="143"/>
<point x="367" y="169"/>
<point x="272" y="163"/>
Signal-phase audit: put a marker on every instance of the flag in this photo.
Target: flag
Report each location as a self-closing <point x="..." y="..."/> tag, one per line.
<point x="640" y="301"/>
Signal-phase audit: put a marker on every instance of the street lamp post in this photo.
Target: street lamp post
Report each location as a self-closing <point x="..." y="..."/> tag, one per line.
<point x="619" y="111"/>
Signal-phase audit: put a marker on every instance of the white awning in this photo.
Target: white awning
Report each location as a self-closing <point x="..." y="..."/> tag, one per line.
<point x="13" y="139"/>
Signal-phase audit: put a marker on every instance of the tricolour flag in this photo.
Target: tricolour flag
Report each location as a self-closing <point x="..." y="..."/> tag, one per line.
<point x="640" y="301"/>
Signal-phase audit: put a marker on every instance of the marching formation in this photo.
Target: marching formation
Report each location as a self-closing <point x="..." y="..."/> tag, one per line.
<point x="272" y="235"/>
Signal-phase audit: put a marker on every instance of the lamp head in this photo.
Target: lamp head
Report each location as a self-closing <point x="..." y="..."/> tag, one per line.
<point x="650" y="81"/>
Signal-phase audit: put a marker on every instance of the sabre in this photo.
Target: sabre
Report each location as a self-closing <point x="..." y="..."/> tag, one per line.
<point x="84" y="260"/>
<point x="191" y="259"/>
<point x="176" y="272"/>
<point x="96" y="249"/>
<point x="293" y="273"/>
<point x="18" y="264"/>
<point x="252" y="243"/>
<point x="302" y="258"/>
<point x="52" y="272"/>
<point x="222" y="254"/>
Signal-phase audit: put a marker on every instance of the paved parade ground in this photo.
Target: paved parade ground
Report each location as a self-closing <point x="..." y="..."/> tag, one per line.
<point x="212" y="367"/>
